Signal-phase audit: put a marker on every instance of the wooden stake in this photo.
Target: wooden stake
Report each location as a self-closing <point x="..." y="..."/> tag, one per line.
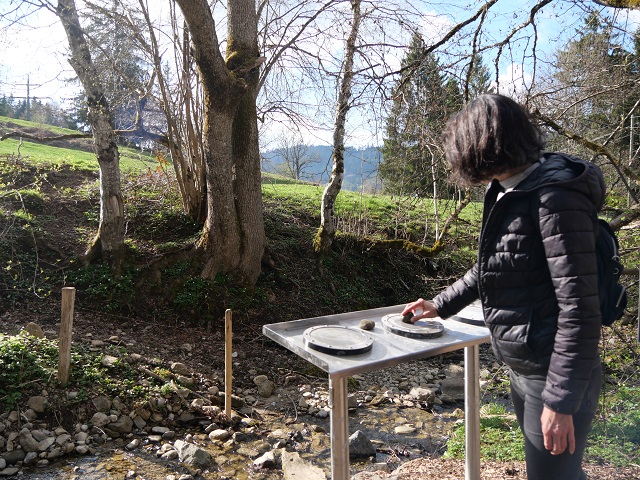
<point x="66" y="330"/>
<point x="228" y="366"/>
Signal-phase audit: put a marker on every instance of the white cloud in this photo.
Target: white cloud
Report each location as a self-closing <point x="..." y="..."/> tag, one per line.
<point x="434" y="26"/>
<point x="513" y="80"/>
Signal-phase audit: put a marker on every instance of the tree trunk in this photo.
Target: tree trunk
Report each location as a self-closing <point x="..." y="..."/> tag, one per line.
<point x="327" y="230"/>
<point x="109" y="240"/>
<point x="233" y="238"/>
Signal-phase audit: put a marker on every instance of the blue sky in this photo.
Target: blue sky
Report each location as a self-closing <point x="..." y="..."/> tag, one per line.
<point x="37" y="49"/>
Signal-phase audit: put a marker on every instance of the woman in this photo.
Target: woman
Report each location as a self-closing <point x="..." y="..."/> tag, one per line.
<point x="535" y="276"/>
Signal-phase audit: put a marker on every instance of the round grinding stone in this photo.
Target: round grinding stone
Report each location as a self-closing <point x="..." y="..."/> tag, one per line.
<point x="337" y="340"/>
<point x="472" y="315"/>
<point x="421" y="329"/>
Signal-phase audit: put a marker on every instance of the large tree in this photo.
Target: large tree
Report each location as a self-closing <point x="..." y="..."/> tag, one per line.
<point x="326" y="232"/>
<point x="109" y="241"/>
<point x="593" y="94"/>
<point x="233" y="238"/>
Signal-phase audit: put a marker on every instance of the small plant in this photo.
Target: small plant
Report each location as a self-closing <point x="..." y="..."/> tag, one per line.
<point x="500" y="436"/>
<point x="615" y="438"/>
<point x="194" y="293"/>
<point x="23" y="360"/>
<point x="29" y="364"/>
<point x="99" y="286"/>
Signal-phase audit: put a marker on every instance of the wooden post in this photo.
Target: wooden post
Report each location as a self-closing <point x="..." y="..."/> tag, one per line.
<point x="228" y="366"/>
<point x="66" y="329"/>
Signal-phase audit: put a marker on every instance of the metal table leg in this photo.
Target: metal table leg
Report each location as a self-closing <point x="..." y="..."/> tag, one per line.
<point x="472" y="412"/>
<point x="339" y="423"/>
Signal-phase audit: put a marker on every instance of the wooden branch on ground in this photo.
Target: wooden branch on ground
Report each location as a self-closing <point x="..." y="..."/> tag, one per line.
<point x="398" y="244"/>
<point x="161" y="139"/>
<point x="40" y="138"/>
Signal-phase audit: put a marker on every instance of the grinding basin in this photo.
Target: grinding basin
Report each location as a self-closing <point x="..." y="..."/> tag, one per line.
<point x="337" y="340"/>
<point x="422" y="329"/>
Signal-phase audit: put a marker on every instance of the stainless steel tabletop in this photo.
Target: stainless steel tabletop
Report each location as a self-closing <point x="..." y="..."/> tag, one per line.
<point x="388" y="348"/>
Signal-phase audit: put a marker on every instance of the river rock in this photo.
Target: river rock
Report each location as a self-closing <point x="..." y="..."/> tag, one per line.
<point x="452" y="389"/>
<point x="258" y="379"/>
<point x="82" y="449"/>
<point x="169" y="455"/>
<point x="30" y="458"/>
<point x="367" y="324"/>
<point x="54" y="453"/>
<point x="43" y="445"/>
<point x="9" y="471"/>
<point x="14" y="456"/>
<point x="193" y="455"/>
<point x="100" y="419"/>
<point x="34" y="330"/>
<point x="37" y="403"/>
<point x="454" y="371"/>
<point x="109" y="361"/>
<point x="180" y="369"/>
<point x="133" y="444"/>
<point x="423" y="394"/>
<point x="266" y="387"/>
<point x="40" y="435"/>
<point x="295" y="467"/>
<point x="27" y="442"/>
<point x="102" y="403"/>
<point x="404" y="429"/>
<point x="267" y="460"/>
<point x="123" y="425"/>
<point x="360" y="446"/>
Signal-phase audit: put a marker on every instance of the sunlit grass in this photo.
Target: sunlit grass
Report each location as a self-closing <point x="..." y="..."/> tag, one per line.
<point x="40" y="154"/>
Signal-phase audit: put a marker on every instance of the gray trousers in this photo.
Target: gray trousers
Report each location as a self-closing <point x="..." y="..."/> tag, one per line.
<point x="527" y="401"/>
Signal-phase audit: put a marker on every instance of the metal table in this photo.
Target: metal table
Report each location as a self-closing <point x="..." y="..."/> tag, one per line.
<point x="388" y="350"/>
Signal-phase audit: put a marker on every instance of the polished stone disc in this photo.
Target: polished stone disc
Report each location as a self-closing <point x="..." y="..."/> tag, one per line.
<point x="472" y="315"/>
<point x="337" y="340"/>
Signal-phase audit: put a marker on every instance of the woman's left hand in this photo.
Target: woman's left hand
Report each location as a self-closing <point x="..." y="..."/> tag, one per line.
<point x="558" y="432"/>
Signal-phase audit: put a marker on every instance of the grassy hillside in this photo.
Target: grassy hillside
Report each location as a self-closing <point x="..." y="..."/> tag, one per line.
<point x="76" y="153"/>
<point x="49" y="211"/>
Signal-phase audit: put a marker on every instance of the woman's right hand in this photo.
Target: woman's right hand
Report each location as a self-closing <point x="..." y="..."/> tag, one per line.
<point x="421" y="308"/>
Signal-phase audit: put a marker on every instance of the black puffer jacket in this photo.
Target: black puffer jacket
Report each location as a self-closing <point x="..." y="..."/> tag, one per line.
<point x="536" y="276"/>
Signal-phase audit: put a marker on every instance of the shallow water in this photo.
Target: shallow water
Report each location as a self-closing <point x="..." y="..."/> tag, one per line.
<point x="377" y="423"/>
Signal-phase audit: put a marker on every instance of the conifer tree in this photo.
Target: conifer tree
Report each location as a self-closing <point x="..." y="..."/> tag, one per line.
<point x="421" y="104"/>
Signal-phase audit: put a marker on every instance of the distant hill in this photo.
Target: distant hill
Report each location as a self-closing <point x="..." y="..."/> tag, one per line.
<point x="360" y="165"/>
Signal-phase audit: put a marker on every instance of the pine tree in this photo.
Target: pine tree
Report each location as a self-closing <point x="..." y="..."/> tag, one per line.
<point x="478" y="78"/>
<point x="597" y="76"/>
<point x="423" y="100"/>
<point x="120" y="63"/>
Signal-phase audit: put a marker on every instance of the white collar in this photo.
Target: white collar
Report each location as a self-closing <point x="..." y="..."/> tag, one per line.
<point x="511" y="182"/>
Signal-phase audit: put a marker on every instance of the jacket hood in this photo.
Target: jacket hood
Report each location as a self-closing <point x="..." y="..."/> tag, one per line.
<point x="566" y="171"/>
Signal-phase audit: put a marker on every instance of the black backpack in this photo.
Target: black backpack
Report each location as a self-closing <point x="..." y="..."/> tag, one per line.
<point x="613" y="296"/>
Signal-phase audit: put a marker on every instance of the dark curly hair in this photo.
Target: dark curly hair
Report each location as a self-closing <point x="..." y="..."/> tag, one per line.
<point x="489" y="136"/>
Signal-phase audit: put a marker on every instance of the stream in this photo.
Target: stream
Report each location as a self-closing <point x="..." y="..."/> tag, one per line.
<point x="424" y="433"/>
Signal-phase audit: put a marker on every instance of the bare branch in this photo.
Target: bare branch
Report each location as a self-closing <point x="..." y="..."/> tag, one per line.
<point x="623" y="171"/>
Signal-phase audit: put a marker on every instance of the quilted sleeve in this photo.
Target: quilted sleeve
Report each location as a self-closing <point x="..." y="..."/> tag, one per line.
<point x="458" y="295"/>
<point x="567" y="223"/>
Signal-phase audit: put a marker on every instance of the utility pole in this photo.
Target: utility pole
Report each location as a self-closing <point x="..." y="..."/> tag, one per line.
<point x="29" y="101"/>
<point x="28" y="97"/>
